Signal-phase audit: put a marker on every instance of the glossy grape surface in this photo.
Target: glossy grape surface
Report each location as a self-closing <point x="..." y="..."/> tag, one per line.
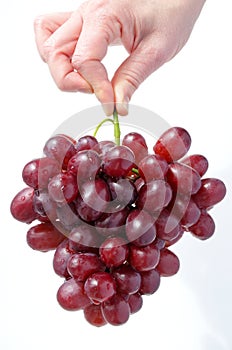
<point x="173" y="144"/>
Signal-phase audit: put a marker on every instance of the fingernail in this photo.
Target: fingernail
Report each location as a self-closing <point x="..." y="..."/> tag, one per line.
<point x="122" y="107"/>
<point x="108" y="108"/>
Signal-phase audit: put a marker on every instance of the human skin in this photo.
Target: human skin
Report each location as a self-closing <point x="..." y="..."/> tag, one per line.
<point x="73" y="44"/>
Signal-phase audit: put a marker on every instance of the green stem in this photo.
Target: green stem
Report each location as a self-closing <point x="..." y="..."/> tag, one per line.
<point x="100" y="124"/>
<point x="117" y="132"/>
<point x="135" y="171"/>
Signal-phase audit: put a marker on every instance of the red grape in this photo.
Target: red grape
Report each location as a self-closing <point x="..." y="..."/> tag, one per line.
<point x="150" y="282"/>
<point x="169" y="263"/>
<point x="114" y="251"/>
<point x="63" y="188"/>
<point x="82" y="265"/>
<point x="135" y="302"/>
<point x="93" y="314"/>
<point x="22" y="208"/>
<point x="71" y="295"/>
<point x="212" y="191"/>
<point x="137" y="144"/>
<point x="173" y="144"/>
<point x="116" y="310"/>
<point x="144" y="258"/>
<point x="140" y="228"/>
<point x="118" y="161"/>
<point x="154" y="196"/>
<point x="127" y="279"/>
<point x="44" y="237"/>
<point x="38" y="172"/>
<point x="86" y="142"/>
<point x="84" y="165"/>
<point x="61" y="148"/>
<point x="62" y="254"/>
<point x="198" y="162"/>
<point x="204" y="227"/>
<point x="99" y="287"/>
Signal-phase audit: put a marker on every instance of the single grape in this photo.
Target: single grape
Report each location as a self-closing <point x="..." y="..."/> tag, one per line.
<point x="167" y="226"/>
<point x="22" y="208"/>
<point x="127" y="279"/>
<point x="99" y="287"/>
<point x="116" y="310"/>
<point x="169" y="263"/>
<point x="183" y="179"/>
<point x="140" y="228"/>
<point x="118" y="161"/>
<point x="86" y="142"/>
<point x="173" y="144"/>
<point x="150" y="282"/>
<point x="38" y="172"/>
<point x="154" y="196"/>
<point x="212" y="191"/>
<point x="93" y="314"/>
<point x="135" y="302"/>
<point x="71" y="295"/>
<point x="84" y="165"/>
<point x="82" y="265"/>
<point x="114" y="251"/>
<point x="144" y="258"/>
<point x="60" y="147"/>
<point x="93" y="199"/>
<point x="44" y="237"/>
<point x="112" y="223"/>
<point x="153" y="167"/>
<point x="62" y="254"/>
<point x="197" y="162"/>
<point x="204" y="228"/>
<point x="63" y="188"/>
<point x="137" y="143"/>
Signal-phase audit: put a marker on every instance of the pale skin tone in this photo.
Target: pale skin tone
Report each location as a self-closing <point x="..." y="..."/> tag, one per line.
<point x="73" y="44"/>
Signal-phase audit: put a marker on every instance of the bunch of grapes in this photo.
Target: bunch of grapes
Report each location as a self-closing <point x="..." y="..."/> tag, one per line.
<point x="111" y="212"/>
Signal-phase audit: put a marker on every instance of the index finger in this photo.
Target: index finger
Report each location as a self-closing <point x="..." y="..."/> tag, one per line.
<point x="45" y="26"/>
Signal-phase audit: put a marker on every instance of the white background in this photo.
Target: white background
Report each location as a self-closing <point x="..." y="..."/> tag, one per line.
<point x="192" y="310"/>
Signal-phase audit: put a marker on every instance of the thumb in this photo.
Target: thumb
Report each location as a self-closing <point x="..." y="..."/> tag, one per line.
<point x="144" y="60"/>
<point x="90" y="49"/>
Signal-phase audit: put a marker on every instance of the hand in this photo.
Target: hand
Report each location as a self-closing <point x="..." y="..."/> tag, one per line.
<point x="73" y="44"/>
